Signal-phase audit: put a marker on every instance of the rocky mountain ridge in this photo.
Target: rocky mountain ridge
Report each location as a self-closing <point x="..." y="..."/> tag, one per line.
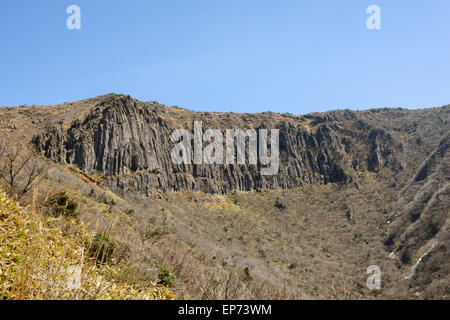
<point x="129" y="142"/>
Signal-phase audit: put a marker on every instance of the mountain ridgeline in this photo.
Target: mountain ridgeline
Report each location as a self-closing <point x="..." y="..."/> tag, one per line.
<point x="129" y="142"/>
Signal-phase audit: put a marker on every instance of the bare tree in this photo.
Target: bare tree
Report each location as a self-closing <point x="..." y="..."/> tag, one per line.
<point x="3" y="149"/>
<point x="19" y="170"/>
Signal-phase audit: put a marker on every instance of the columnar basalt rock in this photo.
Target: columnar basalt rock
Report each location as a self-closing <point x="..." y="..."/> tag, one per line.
<point x="128" y="141"/>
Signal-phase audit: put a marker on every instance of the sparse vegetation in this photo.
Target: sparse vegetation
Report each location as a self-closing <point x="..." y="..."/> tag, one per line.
<point x="19" y="170"/>
<point x="165" y="276"/>
<point x="62" y="205"/>
<point x="279" y="204"/>
<point x="346" y="206"/>
<point x="35" y="259"/>
<point x="155" y="171"/>
<point x="103" y="248"/>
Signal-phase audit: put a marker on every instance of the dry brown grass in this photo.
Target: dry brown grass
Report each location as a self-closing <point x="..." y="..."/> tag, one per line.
<point x="36" y="258"/>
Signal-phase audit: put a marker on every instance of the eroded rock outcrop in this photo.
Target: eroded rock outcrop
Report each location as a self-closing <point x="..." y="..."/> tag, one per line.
<point x="128" y="141"/>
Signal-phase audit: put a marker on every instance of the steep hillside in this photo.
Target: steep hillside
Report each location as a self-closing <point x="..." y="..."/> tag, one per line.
<point x="39" y="261"/>
<point x="354" y="188"/>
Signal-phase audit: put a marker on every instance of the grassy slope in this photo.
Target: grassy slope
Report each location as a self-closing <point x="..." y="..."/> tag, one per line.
<point x="35" y="255"/>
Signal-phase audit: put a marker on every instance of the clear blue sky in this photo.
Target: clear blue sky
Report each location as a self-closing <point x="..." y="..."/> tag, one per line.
<point x="228" y="55"/>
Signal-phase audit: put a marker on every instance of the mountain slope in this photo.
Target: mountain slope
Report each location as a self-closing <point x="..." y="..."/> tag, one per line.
<point x="36" y="258"/>
<point x="353" y="187"/>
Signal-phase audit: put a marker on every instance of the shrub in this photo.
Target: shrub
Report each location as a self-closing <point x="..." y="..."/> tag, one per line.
<point x="165" y="276"/>
<point x="62" y="205"/>
<point x="247" y="276"/>
<point x="103" y="199"/>
<point x="390" y="240"/>
<point x="279" y="204"/>
<point x="155" y="171"/>
<point x="406" y="256"/>
<point x="253" y="169"/>
<point x="105" y="249"/>
<point x="292" y="266"/>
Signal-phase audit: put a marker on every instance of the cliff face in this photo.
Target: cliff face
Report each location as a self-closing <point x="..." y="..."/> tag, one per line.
<point x="372" y="183"/>
<point x="129" y="142"/>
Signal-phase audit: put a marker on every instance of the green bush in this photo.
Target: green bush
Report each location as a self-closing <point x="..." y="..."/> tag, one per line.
<point x="155" y="171"/>
<point x="165" y="276"/>
<point x="62" y="205"/>
<point x="105" y="249"/>
<point x="292" y="266"/>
